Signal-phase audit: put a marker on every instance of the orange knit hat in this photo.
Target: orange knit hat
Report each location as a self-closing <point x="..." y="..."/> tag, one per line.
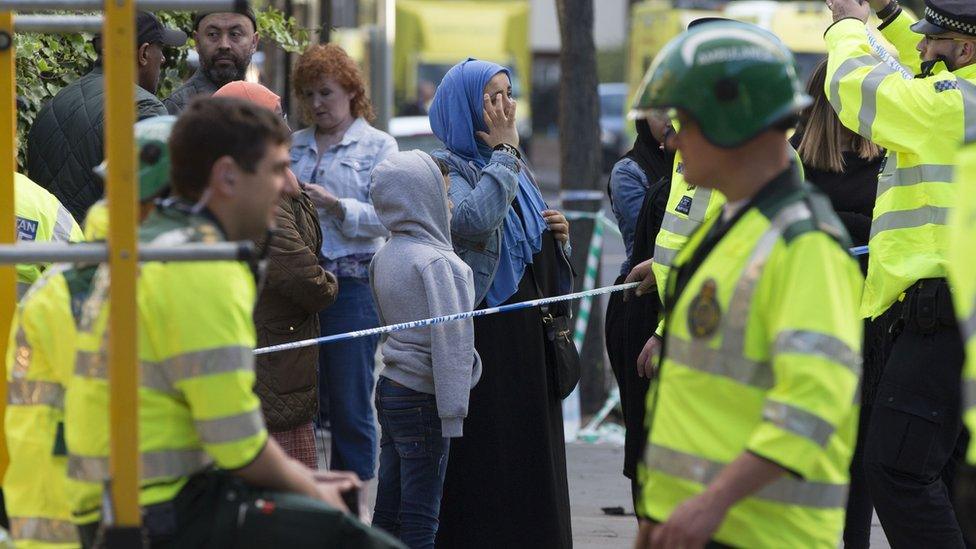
<point x="250" y="91"/>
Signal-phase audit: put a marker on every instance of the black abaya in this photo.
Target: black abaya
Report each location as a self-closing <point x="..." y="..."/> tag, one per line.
<point x="506" y="480"/>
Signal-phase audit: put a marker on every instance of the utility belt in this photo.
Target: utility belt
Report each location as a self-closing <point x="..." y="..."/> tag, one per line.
<point x="927" y="307"/>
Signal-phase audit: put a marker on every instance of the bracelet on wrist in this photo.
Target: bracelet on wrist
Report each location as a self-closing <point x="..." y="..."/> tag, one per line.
<point x="510" y="149"/>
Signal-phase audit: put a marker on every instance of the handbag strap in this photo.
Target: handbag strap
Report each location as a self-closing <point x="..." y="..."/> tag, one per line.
<point x="543" y="309"/>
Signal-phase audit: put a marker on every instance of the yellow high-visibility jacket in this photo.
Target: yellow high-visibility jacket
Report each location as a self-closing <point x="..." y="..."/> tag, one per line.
<point x="689" y="207"/>
<point x="41" y="218"/>
<point x="921" y="122"/>
<point x="197" y="407"/>
<point x="761" y="354"/>
<point x="40" y="359"/>
<point x="962" y="276"/>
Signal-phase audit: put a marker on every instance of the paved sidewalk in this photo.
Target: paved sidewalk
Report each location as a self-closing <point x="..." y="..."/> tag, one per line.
<point x="595" y="482"/>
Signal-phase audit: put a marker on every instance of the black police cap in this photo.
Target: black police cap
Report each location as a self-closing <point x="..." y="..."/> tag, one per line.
<point x="942" y="16"/>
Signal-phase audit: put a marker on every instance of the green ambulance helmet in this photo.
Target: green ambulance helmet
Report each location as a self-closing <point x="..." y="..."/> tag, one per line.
<point x="734" y="79"/>
<point x="152" y="152"/>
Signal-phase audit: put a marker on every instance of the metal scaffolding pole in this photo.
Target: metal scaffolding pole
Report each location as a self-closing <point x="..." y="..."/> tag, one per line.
<point x="123" y="356"/>
<point x="28" y="6"/>
<point x="8" y="231"/>
<point x="58" y="24"/>
<point x="48" y="252"/>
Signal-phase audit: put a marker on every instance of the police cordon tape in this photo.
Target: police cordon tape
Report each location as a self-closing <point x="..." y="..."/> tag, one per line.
<point x="441" y="319"/>
<point x="860" y="250"/>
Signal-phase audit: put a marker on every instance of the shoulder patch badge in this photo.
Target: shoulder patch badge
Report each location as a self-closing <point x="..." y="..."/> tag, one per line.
<point x="944" y="85"/>
<point x="704" y="313"/>
<point x="684" y="205"/>
<point x="26" y="229"/>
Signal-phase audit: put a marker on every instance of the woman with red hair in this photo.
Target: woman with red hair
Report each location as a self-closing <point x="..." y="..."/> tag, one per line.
<point x="333" y="158"/>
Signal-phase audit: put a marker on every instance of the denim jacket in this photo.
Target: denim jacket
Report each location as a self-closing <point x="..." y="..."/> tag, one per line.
<point x="628" y="187"/>
<point x="345" y="172"/>
<point x="481" y="201"/>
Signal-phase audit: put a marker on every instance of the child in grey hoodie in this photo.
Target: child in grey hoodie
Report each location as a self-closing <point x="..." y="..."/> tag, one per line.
<point x="428" y="372"/>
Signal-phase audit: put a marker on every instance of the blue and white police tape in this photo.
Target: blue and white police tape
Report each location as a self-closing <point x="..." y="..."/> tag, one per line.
<point x="859" y="250"/>
<point x="440" y="319"/>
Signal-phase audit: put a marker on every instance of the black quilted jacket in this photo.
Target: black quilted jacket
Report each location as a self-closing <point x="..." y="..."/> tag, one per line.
<point x="66" y="141"/>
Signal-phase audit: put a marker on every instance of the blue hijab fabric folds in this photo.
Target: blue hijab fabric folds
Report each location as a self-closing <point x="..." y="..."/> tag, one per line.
<point x="456" y="113"/>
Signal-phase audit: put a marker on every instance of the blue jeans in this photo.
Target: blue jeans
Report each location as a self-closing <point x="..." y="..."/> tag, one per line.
<point x="346" y="379"/>
<point x="413" y="461"/>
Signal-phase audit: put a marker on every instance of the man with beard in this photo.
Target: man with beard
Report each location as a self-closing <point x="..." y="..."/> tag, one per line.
<point x="225" y="43"/>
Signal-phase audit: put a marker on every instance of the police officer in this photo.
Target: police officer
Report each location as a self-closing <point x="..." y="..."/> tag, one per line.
<point x="40" y="217"/>
<point x="40" y="365"/>
<point x="915" y="435"/>
<point x="752" y="417"/>
<point x="688" y="207"/>
<point x="962" y="275"/>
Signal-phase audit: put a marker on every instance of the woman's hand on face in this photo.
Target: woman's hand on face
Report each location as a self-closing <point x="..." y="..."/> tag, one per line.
<point x="558" y="224"/>
<point x="320" y="197"/>
<point x="500" y="118"/>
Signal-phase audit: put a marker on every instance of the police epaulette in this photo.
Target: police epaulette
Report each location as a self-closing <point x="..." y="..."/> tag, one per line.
<point x="823" y="219"/>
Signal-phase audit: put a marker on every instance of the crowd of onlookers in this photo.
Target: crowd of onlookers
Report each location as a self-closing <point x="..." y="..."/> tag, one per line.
<point x="469" y="413"/>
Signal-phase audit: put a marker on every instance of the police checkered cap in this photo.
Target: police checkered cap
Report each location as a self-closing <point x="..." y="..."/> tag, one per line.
<point x="952" y="15"/>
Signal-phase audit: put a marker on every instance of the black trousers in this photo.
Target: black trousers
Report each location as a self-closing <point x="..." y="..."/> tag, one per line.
<point x="216" y="510"/>
<point x="916" y="439"/>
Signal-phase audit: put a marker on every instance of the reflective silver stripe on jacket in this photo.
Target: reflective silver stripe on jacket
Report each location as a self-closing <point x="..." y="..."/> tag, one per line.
<point x="798" y="421"/>
<point x="161" y="464"/>
<point x="734" y="328"/>
<point x="63" y="226"/>
<point x="819" y="344"/>
<point x="730" y="360"/>
<point x="230" y="428"/>
<point x="909" y="219"/>
<point x="968" y="91"/>
<point x="22" y="288"/>
<point x="869" y="98"/>
<point x="968" y="326"/>
<point x="906" y="177"/>
<point x="699" y="356"/>
<point x="164" y="375"/>
<point x="32" y="392"/>
<point x="786" y="489"/>
<point x="43" y="529"/>
<point x="845" y="68"/>
<point x="664" y="256"/>
<point x="683" y="226"/>
<point x="679" y="225"/>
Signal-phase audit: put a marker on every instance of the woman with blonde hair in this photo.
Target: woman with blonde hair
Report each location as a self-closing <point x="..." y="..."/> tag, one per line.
<point x="844" y="166"/>
<point x="333" y="159"/>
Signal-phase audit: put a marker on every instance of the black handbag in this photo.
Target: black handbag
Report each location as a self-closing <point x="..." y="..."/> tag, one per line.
<point x="560" y="348"/>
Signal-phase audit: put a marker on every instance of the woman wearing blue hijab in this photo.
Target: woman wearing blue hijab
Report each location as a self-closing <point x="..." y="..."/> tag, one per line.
<point x="506" y="478"/>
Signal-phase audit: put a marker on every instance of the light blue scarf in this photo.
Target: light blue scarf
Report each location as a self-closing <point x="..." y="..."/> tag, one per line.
<point x="455" y="115"/>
